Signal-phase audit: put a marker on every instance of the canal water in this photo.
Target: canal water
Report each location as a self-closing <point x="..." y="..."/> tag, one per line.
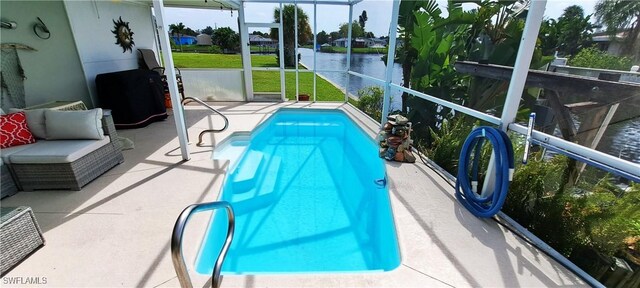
<point x="368" y="64"/>
<point x="620" y="140"/>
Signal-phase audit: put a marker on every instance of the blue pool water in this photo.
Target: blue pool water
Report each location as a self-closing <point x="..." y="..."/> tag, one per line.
<point x="305" y="200"/>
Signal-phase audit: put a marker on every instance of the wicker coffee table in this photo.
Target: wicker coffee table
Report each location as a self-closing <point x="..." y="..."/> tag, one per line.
<point x="19" y="235"/>
<point x="7" y="184"/>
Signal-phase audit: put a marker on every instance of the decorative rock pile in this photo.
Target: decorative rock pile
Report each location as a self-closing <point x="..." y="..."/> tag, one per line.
<point x="395" y="141"/>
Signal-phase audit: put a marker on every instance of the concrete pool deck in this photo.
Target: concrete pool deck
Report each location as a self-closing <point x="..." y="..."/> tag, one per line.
<point x="116" y="231"/>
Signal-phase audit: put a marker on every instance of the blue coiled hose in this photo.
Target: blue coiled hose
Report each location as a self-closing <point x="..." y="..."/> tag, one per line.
<point x="503" y="156"/>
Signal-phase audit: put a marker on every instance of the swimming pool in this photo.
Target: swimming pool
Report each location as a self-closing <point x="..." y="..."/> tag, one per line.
<point x="309" y="194"/>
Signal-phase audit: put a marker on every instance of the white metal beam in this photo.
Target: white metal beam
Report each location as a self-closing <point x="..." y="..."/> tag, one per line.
<point x="246" y="55"/>
<point x="262" y="25"/>
<point x="373" y="79"/>
<point x="281" y="44"/>
<point x="315" y="44"/>
<point x="311" y="71"/>
<point x="265" y="69"/>
<point x="523" y="61"/>
<point x="209" y="5"/>
<point x="295" y="37"/>
<point x="236" y="3"/>
<point x="195" y="7"/>
<point x="178" y="110"/>
<point x="391" y="55"/>
<point x="466" y="110"/>
<point x="349" y="35"/>
<point x="518" y="79"/>
<point x="631" y="169"/>
<point x="345" y="3"/>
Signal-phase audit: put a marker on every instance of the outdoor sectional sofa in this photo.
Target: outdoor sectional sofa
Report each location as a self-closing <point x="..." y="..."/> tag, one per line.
<point x="63" y="164"/>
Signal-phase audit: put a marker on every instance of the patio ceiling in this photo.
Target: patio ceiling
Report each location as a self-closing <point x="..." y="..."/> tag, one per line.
<point x="319" y="2"/>
<point x="202" y="4"/>
<point x="235" y="4"/>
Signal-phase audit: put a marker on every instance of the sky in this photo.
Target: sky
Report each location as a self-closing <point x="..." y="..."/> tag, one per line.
<point x="329" y="16"/>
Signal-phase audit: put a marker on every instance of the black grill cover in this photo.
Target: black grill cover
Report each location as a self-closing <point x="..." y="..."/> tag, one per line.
<point x="135" y="97"/>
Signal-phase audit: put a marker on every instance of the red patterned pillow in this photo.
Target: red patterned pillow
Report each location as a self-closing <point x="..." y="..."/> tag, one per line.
<point x="14" y="130"/>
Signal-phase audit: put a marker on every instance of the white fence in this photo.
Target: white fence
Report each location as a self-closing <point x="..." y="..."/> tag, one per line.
<point x="214" y="84"/>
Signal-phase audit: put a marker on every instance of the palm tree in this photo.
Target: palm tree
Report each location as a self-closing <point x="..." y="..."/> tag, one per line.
<point x="363" y="19"/>
<point x="304" y="31"/>
<point x="407" y="54"/>
<point x="574" y="30"/>
<point x="177" y="29"/>
<point x="619" y="15"/>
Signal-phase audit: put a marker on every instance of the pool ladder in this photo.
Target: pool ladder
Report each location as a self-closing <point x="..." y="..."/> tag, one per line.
<point x="186" y="100"/>
<point x="176" y="242"/>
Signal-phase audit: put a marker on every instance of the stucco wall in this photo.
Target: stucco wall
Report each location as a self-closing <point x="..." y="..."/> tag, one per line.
<point x="92" y="23"/>
<point x="54" y="72"/>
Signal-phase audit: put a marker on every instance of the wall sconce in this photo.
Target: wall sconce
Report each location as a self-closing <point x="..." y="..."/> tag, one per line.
<point x="41" y="30"/>
<point x="9" y="25"/>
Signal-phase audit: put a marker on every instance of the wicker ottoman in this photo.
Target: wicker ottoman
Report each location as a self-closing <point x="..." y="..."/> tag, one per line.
<point x="19" y="235"/>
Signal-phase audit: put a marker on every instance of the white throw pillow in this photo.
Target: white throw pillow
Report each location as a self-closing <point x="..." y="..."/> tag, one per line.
<point x="35" y="121"/>
<point x="83" y="124"/>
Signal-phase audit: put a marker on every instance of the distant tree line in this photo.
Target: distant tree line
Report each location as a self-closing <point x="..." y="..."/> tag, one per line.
<point x="357" y="30"/>
<point x="571" y="35"/>
<point x="224" y="37"/>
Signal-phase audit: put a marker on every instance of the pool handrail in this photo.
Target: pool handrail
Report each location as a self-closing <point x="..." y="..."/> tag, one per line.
<point x="176" y="242"/>
<point x="186" y="100"/>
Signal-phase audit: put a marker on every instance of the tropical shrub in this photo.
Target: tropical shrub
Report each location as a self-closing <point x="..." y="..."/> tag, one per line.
<point x="534" y="202"/>
<point x="226" y="38"/>
<point x="447" y="143"/>
<point x="214" y="49"/>
<point x="594" y="58"/>
<point x="499" y="45"/>
<point x="589" y="216"/>
<point x="435" y="43"/>
<point x="370" y="101"/>
<point x="609" y="214"/>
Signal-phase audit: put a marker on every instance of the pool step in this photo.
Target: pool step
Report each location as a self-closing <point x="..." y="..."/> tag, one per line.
<point x="232" y="148"/>
<point x="247" y="174"/>
<point x="262" y="195"/>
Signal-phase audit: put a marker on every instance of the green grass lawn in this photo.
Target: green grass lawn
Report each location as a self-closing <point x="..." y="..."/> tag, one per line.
<point x="263" y="81"/>
<point x="198" y="60"/>
<point x="269" y="81"/>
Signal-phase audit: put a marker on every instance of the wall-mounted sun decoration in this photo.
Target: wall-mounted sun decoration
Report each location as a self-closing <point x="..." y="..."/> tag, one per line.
<point x="124" y="35"/>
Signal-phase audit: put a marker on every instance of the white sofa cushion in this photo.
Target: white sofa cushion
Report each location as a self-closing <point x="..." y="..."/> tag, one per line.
<point x="35" y="121"/>
<point x="6" y="152"/>
<point x="59" y="151"/>
<point x="72" y="125"/>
